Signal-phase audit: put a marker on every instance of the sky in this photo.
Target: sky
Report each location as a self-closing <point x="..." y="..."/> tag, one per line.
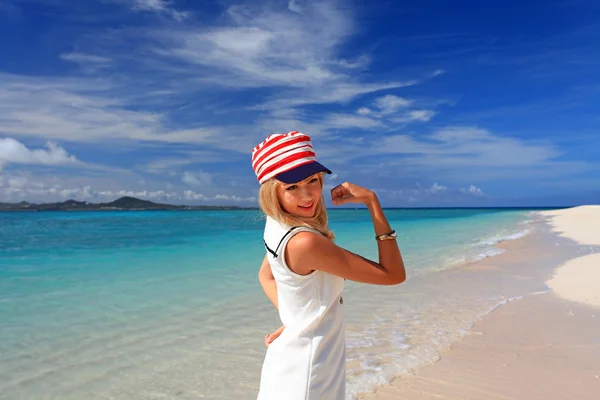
<point x="429" y="103"/>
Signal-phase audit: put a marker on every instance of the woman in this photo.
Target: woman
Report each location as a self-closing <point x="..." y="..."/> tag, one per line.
<point x="303" y="271"/>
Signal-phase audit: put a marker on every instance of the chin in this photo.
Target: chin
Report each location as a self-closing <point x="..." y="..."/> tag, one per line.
<point x="307" y="213"/>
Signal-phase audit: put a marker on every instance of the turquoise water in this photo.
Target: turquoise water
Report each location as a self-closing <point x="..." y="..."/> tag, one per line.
<point x="141" y="304"/>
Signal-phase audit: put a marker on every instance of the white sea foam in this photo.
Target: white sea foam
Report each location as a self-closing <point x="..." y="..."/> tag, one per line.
<point x="493" y="240"/>
<point x="485" y="248"/>
<point x="393" y="347"/>
<point x="172" y="326"/>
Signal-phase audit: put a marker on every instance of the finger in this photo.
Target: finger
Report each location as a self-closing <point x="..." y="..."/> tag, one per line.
<point x="335" y="193"/>
<point x="340" y="193"/>
<point x="342" y="200"/>
<point x="340" y="189"/>
<point x="276" y="334"/>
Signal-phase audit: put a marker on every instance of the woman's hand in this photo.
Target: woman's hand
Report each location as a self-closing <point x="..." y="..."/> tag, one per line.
<point x="350" y="193"/>
<point x="272" y="336"/>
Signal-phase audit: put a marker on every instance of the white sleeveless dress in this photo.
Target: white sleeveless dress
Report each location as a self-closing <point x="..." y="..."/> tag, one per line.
<point x="307" y="362"/>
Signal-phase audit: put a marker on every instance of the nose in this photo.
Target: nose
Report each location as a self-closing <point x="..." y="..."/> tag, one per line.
<point x="306" y="194"/>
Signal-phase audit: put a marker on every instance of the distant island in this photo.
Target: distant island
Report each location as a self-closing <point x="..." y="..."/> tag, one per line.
<point x="123" y="203"/>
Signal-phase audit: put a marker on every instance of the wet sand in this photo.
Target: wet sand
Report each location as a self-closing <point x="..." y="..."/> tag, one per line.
<point x="545" y="345"/>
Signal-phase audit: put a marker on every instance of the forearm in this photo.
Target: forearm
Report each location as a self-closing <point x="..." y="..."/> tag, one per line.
<point x="267" y="281"/>
<point x="270" y="288"/>
<point x="389" y="252"/>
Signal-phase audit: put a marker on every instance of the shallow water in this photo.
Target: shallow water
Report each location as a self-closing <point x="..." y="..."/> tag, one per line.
<point x="155" y="305"/>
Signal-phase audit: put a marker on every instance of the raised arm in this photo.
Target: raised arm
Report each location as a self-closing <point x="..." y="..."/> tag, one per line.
<point x="308" y="251"/>
<point x="267" y="281"/>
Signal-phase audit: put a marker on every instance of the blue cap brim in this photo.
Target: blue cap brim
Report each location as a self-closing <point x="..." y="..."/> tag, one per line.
<point x="302" y="172"/>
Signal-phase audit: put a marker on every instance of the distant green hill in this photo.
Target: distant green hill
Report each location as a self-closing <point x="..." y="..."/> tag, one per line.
<point x="122" y="203"/>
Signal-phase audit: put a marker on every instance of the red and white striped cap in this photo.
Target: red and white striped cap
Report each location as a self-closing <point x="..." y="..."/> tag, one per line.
<point x="289" y="157"/>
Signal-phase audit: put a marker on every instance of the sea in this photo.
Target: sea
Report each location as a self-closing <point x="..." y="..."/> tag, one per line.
<point x="167" y="304"/>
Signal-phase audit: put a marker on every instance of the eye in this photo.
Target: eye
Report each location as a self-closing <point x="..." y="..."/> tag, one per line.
<point x="313" y="180"/>
<point x="291" y="187"/>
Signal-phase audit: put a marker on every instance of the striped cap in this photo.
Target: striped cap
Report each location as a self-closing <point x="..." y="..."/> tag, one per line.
<point x="289" y="157"/>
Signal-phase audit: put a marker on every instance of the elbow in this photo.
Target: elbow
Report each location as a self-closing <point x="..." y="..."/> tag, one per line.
<point x="396" y="280"/>
<point x="263" y="277"/>
<point x="399" y="277"/>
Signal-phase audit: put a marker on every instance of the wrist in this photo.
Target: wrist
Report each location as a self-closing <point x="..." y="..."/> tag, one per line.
<point x="371" y="200"/>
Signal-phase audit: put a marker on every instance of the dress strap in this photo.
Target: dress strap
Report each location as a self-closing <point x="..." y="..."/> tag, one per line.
<point x="274" y="252"/>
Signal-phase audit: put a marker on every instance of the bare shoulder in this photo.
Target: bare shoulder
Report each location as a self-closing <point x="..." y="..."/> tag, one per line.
<point x="303" y="249"/>
<point x="307" y="252"/>
<point x="307" y="241"/>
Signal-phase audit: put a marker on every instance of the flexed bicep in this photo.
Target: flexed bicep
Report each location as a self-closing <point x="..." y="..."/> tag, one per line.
<point x="311" y="251"/>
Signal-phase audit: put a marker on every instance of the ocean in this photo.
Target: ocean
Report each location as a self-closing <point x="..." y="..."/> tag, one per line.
<point x="167" y="304"/>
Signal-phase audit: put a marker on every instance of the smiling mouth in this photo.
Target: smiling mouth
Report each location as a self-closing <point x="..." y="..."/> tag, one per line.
<point x="308" y="207"/>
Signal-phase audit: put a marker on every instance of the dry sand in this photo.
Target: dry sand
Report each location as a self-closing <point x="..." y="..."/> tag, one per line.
<point x="578" y="279"/>
<point x="540" y="347"/>
<point x="581" y="224"/>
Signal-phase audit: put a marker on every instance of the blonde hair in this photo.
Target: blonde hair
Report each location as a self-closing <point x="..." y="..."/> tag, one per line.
<point x="269" y="204"/>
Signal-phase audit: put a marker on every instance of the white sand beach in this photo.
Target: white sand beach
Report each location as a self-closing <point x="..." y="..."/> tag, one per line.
<point x="581" y="224"/>
<point x="543" y="346"/>
<point x="578" y="279"/>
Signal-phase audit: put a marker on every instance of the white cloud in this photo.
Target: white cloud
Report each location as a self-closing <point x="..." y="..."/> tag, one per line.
<point x="163" y="165"/>
<point x="294" y="6"/>
<point x="393" y="109"/>
<point x="415" y="115"/>
<point x="143" y="194"/>
<point x="456" y="155"/>
<point x="261" y="46"/>
<point x="191" y="195"/>
<point x="467" y="147"/>
<point x="84" y="192"/>
<point x="250" y="46"/>
<point x="15" y="189"/>
<point x="360" y="62"/>
<point x="101" y="186"/>
<point x="389" y="104"/>
<point x="473" y="190"/>
<point x="330" y="92"/>
<point x="266" y="47"/>
<point x="83" y="58"/>
<point x="17" y="182"/>
<point x="13" y="151"/>
<point x="85" y="110"/>
<point x="435" y="188"/>
<point x="237" y="199"/>
<point x="334" y="120"/>
<point x="294" y="55"/>
<point x="198" y="178"/>
<point x="160" y="6"/>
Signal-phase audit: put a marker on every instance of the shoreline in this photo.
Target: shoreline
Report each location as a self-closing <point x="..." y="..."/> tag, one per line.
<point x="473" y="359"/>
<point x="178" y="344"/>
<point x="15" y="207"/>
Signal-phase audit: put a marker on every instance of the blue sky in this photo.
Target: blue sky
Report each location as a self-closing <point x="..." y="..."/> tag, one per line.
<point x="429" y="103"/>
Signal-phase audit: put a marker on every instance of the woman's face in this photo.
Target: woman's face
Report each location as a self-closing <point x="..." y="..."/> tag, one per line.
<point x="300" y="199"/>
